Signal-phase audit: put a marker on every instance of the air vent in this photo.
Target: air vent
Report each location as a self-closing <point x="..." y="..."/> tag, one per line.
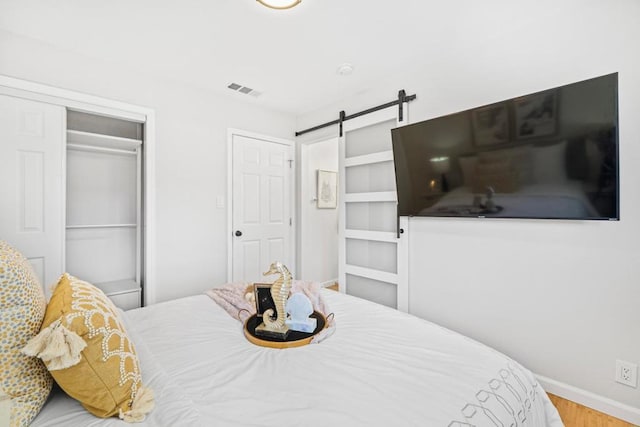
<point x="244" y="89"/>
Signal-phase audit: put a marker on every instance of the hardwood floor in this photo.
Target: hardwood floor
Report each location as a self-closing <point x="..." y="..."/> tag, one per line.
<point x="575" y="415"/>
<point x="333" y="287"/>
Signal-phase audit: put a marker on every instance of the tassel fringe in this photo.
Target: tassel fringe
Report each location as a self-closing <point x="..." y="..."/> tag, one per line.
<point x="142" y="404"/>
<point x="57" y="346"/>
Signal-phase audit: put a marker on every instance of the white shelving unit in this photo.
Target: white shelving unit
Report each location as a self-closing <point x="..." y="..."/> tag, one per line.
<point x="104" y="213"/>
<point x="124" y="293"/>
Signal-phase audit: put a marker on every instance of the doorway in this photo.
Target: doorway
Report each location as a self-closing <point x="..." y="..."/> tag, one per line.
<point x="318" y="222"/>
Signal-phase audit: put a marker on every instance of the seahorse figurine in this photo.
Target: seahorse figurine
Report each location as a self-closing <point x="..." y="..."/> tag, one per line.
<point x="279" y="292"/>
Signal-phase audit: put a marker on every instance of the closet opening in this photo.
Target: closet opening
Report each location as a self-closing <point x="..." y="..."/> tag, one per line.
<point x="104" y="205"/>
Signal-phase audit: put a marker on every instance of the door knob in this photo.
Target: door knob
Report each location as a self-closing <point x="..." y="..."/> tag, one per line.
<point x="238" y="233"/>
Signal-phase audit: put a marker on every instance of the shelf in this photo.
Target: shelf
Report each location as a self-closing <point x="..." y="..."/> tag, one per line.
<point x="118" y="287"/>
<point x="86" y="140"/>
<point x="92" y="226"/>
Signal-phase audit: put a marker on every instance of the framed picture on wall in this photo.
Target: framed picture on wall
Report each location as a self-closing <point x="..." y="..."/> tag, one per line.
<point x="327" y="192"/>
<point x="490" y="124"/>
<point x="536" y="115"/>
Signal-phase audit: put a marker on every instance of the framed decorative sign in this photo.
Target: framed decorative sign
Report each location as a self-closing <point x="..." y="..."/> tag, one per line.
<point x="264" y="300"/>
<point x="327" y="190"/>
<point x="490" y="124"/>
<point x="536" y="115"/>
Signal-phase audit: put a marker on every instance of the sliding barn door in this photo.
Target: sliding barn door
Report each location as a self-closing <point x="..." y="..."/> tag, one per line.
<point x="372" y="252"/>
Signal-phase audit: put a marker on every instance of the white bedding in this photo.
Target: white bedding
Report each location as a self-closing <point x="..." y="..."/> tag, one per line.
<point x="566" y="200"/>
<point x="380" y="368"/>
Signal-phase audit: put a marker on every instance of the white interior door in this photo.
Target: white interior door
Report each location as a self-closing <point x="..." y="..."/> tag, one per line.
<point x="32" y="183"/>
<point x="261" y="206"/>
<point x="372" y="254"/>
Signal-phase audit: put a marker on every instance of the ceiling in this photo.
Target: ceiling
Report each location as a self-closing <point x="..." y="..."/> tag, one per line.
<point x="290" y="56"/>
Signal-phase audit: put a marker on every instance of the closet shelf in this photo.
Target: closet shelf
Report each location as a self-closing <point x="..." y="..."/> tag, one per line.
<point x="79" y="227"/>
<point x="76" y="138"/>
<point x="118" y="287"/>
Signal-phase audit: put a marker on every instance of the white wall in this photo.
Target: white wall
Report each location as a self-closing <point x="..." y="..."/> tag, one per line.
<point x="562" y="297"/>
<point x="191" y="163"/>
<point x="318" y="252"/>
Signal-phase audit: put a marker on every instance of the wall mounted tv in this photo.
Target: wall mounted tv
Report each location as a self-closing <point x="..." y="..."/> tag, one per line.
<point x="551" y="154"/>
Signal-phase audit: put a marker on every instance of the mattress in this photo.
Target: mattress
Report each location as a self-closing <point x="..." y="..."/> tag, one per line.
<point x="381" y="367"/>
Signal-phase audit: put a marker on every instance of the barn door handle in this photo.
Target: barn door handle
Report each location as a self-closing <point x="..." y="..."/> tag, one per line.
<point x="238" y="233"/>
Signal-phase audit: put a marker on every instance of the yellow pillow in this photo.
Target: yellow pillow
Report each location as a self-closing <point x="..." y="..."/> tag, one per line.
<point x="87" y="350"/>
<point x="24" y="381"/>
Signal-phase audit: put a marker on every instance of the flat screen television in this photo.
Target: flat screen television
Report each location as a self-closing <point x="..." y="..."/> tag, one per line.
<point x="550" y="154"/>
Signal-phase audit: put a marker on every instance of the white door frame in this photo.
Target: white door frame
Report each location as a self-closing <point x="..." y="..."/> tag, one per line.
<point x="231" y="132"/>
<point x="107" y="107"/>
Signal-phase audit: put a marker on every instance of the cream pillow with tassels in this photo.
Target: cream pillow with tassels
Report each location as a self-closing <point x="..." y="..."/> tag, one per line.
<point x="86" y="348"/>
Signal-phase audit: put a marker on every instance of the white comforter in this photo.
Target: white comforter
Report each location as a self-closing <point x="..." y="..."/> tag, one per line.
<point x="566" y="200"/>
<point x="380" y="368"/>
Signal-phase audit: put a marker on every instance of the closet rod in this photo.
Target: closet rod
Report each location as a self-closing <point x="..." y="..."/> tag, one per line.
<point x="82" y="147"/>
<point x="402" y="98"/>
<point x="90" y="226"/>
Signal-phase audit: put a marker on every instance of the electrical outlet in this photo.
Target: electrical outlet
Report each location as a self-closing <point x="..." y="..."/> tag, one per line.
<point x="627" y="373"/>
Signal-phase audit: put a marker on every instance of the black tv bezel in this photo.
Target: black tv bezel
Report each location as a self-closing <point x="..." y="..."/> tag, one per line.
<point x="394" y="131"/>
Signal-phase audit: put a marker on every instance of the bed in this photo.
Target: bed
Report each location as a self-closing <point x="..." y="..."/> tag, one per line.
<point x="381" y="367"/>
<point x="557" y="200"/>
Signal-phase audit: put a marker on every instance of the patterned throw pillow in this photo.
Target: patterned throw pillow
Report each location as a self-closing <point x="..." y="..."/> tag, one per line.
<point x="24" y="381"/>
<point x="86" y="348"/>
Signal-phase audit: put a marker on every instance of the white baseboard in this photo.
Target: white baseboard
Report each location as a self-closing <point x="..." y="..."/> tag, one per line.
<point x="611" y="407"/>
<point x="329" y="283"/>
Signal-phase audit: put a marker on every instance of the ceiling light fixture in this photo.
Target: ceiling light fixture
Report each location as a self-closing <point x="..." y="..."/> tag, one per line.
<point x="279" y="4"/>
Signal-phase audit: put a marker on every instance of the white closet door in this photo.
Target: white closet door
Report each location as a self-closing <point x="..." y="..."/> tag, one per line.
<point x="372" y="256"/>
<point x="32" y="182"/>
